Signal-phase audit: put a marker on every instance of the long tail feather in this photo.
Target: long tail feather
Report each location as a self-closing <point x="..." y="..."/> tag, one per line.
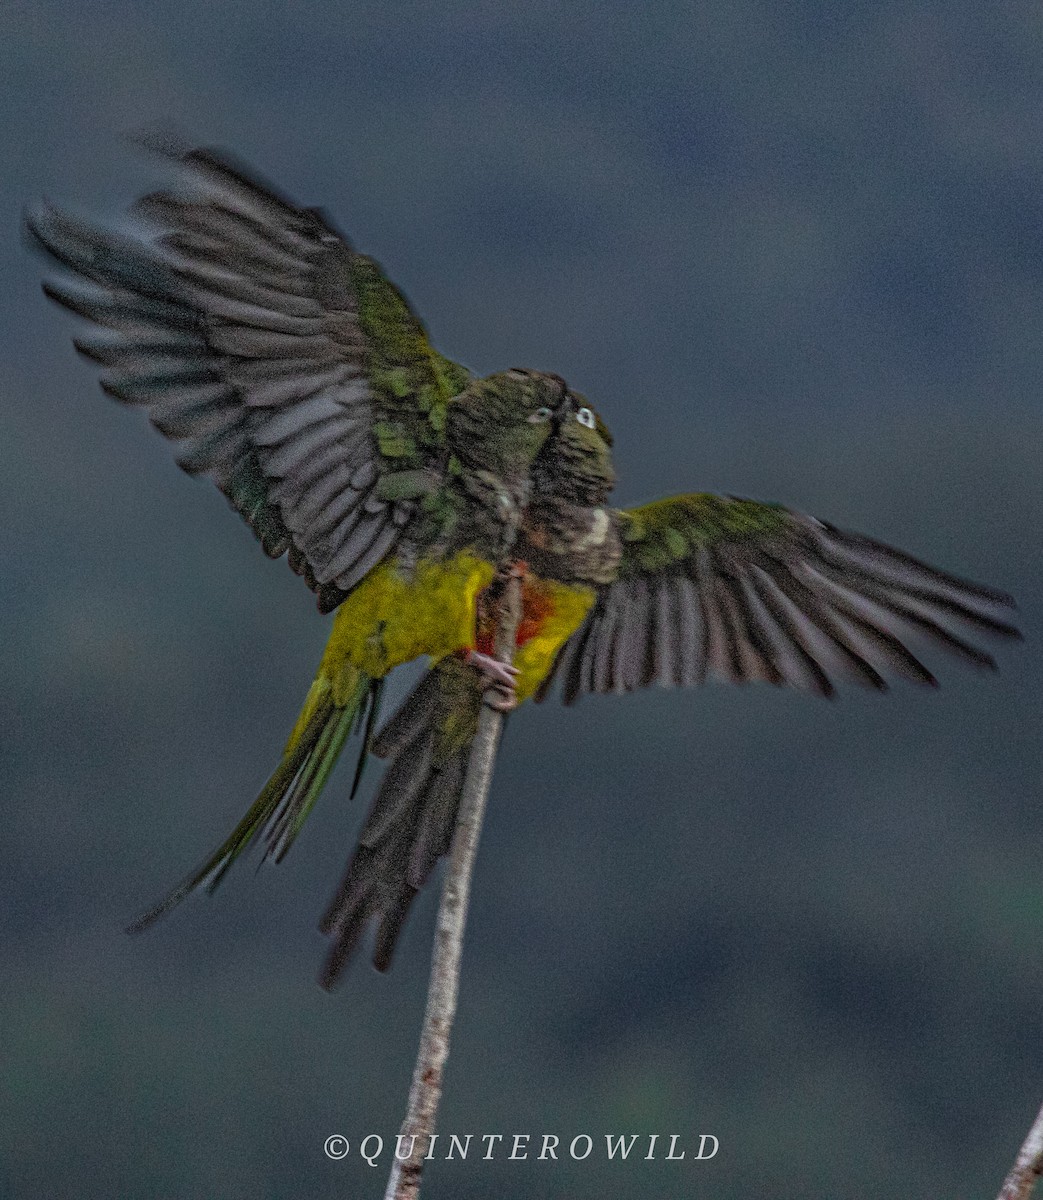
<point x="410" y="823"/>
<point x="283" y="805"/>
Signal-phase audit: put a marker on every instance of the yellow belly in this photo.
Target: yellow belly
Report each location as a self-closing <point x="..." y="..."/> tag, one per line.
<point x="394" y="616"/>
<point x="554" y="611"/>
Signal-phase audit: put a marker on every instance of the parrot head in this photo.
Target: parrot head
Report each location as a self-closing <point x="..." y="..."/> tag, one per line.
<point x="575" y="463"/>
<point x="502" y="422"/>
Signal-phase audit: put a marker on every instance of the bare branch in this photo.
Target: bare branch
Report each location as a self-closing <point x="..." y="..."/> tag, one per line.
<point x="1027" y="1167"/>
<point x="426" y="1089"/>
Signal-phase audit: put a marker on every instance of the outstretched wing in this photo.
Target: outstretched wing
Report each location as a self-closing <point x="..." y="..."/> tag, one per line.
<point x="280" y="362"/>
<point x="714" y="585"/>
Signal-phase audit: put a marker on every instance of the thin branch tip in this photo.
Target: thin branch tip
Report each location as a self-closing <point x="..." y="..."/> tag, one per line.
<point x="1028" y="1166"/>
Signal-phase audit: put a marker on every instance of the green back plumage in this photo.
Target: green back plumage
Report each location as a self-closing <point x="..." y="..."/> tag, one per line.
<point x="414" y="383"/>
<point x="659" y="535"/>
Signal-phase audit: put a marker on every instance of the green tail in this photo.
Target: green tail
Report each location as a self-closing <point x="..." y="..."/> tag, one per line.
<point x="279" y="812"/>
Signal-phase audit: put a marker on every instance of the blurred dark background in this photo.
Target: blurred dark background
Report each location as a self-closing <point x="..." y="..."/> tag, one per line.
<point x="792" y="251"/>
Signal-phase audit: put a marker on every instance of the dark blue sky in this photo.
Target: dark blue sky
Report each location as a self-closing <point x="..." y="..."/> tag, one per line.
<point x="792" y="251"/>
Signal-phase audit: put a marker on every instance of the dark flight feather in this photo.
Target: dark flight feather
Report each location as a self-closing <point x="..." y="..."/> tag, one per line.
<point x="262" y="344"/>
<point x="714" y="585"/>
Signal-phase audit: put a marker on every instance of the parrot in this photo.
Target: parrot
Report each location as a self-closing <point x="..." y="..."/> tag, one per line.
<point x="673" y="592"/>
<point x="286" y="367"/>
<point x="411" y="822"/>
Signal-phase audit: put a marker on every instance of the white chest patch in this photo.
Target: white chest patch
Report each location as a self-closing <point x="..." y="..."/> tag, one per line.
<point x="598" y="531"/>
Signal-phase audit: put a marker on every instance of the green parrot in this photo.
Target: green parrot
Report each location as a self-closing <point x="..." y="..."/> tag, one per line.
<point x="286" y="367"/>
<point x="672" y="592"/>
<point x="410" y="824"/>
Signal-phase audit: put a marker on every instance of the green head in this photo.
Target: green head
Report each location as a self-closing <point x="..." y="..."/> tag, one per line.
<point x="501" y="423"/>
<point x="575" y="464"/>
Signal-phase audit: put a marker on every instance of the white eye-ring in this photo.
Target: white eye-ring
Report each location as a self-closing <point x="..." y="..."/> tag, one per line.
<point x="586" y="417"/>
<point x="540" y="415"/>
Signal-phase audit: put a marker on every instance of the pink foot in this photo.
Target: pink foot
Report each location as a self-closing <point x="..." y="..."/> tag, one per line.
<point x="499" y="680"/>
<point x="494" y="670"/>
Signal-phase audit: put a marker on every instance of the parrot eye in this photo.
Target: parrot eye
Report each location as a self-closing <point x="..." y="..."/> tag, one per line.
<point x="540" y="415"/>
<point x="586" y="417"/>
